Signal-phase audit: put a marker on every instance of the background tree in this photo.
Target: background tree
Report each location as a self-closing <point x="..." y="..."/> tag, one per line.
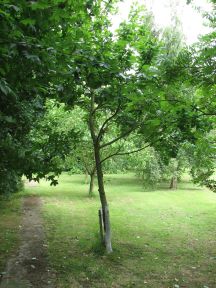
<point x="202" y="77"/>
<point x="201" y="159"/>
<point x="52" y="139"/>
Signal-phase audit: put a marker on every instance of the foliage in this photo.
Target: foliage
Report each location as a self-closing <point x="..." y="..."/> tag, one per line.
<point x="201" y="158"/>
<point x="11" y="182"/>
<point x="202" y="77"/>
<point x="25" y="62"/>
<point x="52" y="139"/>
<point x="211" y="184"/>
<point x="147" y="167"/>
<point x="152" y="170"/>
<point x="33" y="53"/>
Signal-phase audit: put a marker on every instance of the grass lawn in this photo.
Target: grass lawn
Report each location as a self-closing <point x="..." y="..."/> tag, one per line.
<point x="10" y="216"/>
<point x="161" y="238"/>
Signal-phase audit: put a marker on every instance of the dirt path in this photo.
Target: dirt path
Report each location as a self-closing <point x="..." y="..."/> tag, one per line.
<point x="28" y="267"/>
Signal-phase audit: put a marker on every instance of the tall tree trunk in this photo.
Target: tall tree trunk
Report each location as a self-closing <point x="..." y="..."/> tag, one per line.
<point x="173" y="183"/>
<point x="91" y="184"/>
<point x="104" y="204"/>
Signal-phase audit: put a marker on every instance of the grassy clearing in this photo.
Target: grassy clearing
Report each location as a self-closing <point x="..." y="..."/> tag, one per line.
<point x="10" y="217"/>
<point x="161" y="238"/>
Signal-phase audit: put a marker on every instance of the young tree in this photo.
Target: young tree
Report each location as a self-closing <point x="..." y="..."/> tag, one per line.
<point x="129" y="78"/>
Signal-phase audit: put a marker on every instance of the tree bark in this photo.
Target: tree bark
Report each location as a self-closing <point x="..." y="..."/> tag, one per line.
<point x="173" y="183"/>
<point x="101" y="225"/>
<point x="104" y="203"/>
<point x="99" y="170"/>
<point x="91" y="184"/>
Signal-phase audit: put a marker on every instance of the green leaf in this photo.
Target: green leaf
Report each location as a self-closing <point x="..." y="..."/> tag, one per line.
<point x="5" y="88"/>
<point x="28" y="21"/>
<point x="9" y="119"/>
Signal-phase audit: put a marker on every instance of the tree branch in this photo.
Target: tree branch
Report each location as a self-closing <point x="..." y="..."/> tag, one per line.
<point x="85" y="164"/>
<point x="203" y="113"/>
<point x="111" y="155"/>
<point x="124" y="153"/>
<point x="91" y="119"/>
<point x="98" y="107"/>
<point x="118" y="138"/>
<point x="117" y="153"/>
<point x="134" y="151"/>
<point x="107" y="120"/>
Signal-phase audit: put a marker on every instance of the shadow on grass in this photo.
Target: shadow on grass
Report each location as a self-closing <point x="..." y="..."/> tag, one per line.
<point x="183" y="185"/>
<point x="122" y="180"/>
<point x="115" y="180"/>
<point x="73" y="181"/>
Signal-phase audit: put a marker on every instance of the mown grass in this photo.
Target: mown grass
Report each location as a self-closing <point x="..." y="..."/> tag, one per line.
<point x="161" y="238"/>
<point x="10" y="218"/>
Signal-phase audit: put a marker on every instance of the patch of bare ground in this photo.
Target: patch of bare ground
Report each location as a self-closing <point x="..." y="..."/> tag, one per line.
<point x="31" y="183"/>
<point x="28" y="267"/>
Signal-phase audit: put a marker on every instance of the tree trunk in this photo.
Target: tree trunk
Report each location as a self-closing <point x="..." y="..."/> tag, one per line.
<point x="86" y="177"/>
<point x="91" y="184"/>
<point x="173" y="183"/>
<point x="104" y="204"/>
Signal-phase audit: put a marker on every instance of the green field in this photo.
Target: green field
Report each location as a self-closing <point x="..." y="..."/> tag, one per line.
<point x="161" y="238"/>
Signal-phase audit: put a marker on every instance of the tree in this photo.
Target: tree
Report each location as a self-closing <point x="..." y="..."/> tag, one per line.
<point x="52" y="139"/>
<point x="109" y="84"/>
<point x="61" y="140"/>
<point x="130" y="80"/>
<point x="26" y="63"/>
<point x="22" y="84"/>
<point x="202" y="77"/>
<point x="33" y="49"/>
<point x="82" y="155"/>
<point x="148" y="168"/>
<point x="151" y="168"/>
<point x="201" y="159"/>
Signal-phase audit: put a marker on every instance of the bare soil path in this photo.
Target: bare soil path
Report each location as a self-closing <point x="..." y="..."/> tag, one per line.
<point x="29" y="267"/>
